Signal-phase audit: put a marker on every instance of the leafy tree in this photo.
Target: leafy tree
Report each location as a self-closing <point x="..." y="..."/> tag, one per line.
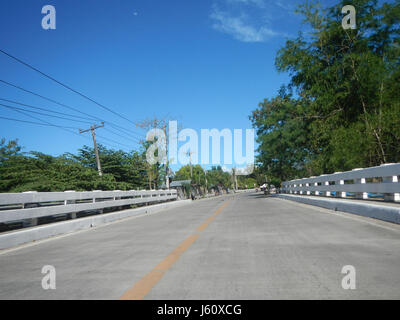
<point x="198" y="176"/>
<point x="39" y="172"/>
<point x="9" y="149"/>
<point x="216" y="177"/>
<point x="128" y="169"/>
<point x="246" y="182"/>
<point x="35" y="171"/>
<point x="347" y="88"/>
<point x="283" y="136"/>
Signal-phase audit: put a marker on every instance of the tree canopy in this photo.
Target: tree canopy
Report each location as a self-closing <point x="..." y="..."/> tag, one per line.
<point x="341" y="108"/>
<point x="35" y="171"/>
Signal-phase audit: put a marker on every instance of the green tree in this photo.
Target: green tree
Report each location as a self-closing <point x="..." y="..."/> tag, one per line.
<point x="347" y="94"/>
<point x="283" y="137"/>
<point x="35" y="171"/>
<point x="128" y="169"/>
<point x="198" y="175"/>
<point x="216" y="177"/>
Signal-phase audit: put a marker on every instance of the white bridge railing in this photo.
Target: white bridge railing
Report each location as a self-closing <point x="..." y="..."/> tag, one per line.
<point x="34" y="205"/>
<point x="358" y="183"/>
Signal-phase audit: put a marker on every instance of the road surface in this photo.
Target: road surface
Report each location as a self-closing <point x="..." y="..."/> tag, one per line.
<point x="245" y="246"/>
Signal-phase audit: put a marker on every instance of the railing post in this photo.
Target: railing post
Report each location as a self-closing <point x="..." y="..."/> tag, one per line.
<point x="361" y="195"/>
<point x="342" y="193"/>
<point x="33" y="221"/>
<point x="339" y="194"/>
<point x="391" y="196"/>
<point x="316" y="185"/>
<point x="308" y="191"/>
<point x="73" y="214"/>
<point x="327" y="193"/>
<point x="94" y="200"/>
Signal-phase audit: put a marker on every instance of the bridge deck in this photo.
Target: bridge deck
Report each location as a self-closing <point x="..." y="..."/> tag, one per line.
<point x="245" y="246"/>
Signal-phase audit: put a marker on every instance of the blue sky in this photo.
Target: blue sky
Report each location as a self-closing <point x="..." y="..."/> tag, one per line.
<point x="204" y="63"/>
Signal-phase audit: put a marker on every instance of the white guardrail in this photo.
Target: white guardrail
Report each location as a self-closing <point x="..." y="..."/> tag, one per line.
<point x="33" y="205"/>
<point x="358" y="183"/>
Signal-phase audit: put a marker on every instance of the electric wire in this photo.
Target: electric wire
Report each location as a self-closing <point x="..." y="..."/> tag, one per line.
<point x="64" y="85"/>
<point x="44" y="109"/>
<point x="117" y="127"/>
<point x="43" y="114"/>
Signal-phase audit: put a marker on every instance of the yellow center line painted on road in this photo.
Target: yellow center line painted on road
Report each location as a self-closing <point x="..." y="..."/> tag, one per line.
<point x="202" y="227"/>
<point x="144" y="285"/>
<point x="210" y="219"/>
<point x="174" y="255"/>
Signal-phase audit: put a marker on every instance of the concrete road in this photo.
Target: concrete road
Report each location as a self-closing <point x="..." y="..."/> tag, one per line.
<point x="245" y="246"/>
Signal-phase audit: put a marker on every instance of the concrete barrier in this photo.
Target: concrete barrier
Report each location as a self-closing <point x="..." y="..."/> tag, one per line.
<point x="15" y="238"/>
<point x="384" y="212"/>
<point x="382" y="180"/>
<point x="33" y="205"/>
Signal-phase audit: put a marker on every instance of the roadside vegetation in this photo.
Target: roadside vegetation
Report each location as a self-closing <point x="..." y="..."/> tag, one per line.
<point x="341" y="109"/>
<point x="34" y="171"/>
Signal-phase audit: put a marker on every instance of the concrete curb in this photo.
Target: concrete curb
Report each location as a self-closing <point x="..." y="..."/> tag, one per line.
<point x="385" y="213"/>
<point x="15" y="238"/>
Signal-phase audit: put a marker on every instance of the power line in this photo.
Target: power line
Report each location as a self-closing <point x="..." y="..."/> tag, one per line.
<point x="117" y="127"/>
<point x="48" y="124"/>
<point x="65" y="86"/>
<point x="122" y="144"/>
<point x="48" y="99"/>
<point x="20" y="109"/>
<point x="43" y="114"/>
<point x="44" y="109"/>
<point x="44" y="121"/>
<point x="49" y="115"/>
<point x="126" y="131"/>
<point x="121" y="136"/>
<point x="101" y="142"/>
<point x="32" y="122"/>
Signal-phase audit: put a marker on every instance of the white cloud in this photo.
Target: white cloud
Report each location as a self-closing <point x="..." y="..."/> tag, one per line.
<point x="239" y="28"/>
<point x="284" y="5"/>
<point x="248" y="20"/>
<point x="258" y="3"/>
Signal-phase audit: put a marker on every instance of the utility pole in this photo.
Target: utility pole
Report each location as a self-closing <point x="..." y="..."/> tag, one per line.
<point x="236" y="182"/>
<point x="234" y="178"/>
<point x="190" y="163"/>
<point x="166" y="160"/>
<point x="92" y="128"/>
